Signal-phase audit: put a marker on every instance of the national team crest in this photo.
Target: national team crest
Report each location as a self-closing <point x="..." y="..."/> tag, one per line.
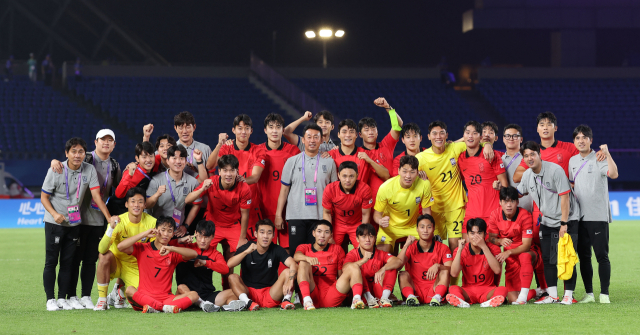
<point x="560" y="158"/>
<point x="481" y="167"/>
<point x="453" y="162"/>
<point x="382" y="157"/>
<point x="185" y="191"/>
<point x="168" y="261"/>
<point x="418" y="200"/>
<point x="324" y="168"/>
<point x="330" y="260"/>
<point x="293" y="230"/>
<point x="84" y="179"/>
<point x="269" y="263"/>
<point x="548" y="184"/>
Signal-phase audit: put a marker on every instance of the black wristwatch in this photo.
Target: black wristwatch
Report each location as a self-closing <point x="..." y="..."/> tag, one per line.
<point x="200" y="162"/>
<point x="562" y="223"/>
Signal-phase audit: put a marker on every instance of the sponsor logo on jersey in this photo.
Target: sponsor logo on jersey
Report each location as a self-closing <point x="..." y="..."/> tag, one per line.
<point x="453" y="161"/>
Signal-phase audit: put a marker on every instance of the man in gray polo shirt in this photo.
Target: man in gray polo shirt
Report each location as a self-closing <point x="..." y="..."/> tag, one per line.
<point x="304" y="178"/>
<point x="63" y="196"/>
<point x="185" y="125"/>
<point x="167" y="191"/>
<point x="511" y="159"/>
<point x="550" y="189"/>
<point x="589" y="178"/>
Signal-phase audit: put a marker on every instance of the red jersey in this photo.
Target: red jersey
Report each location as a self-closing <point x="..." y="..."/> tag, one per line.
<point x="364" y="169"/>
<point x="269" y="183"/>
<point x="419" y="261"/>
<point x="347" y="208"/>
<point x="140" y="178"/>
<point x="559" y="152"/>
<point x="396" y="162"/>
<point x="156" y="272"/>
<point x="330" y="261"/>
<point x="475" y="268"/>
<point x="383" y="155"/>
<point x="224" y="206"/>
<point x="369" y="269"/>
<point x="251" y="156"/>
<point x="479" y="176"/>
<point x="516" y="230"/>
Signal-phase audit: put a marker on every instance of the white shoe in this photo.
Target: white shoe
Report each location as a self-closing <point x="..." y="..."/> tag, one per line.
<point x="546" y="300"/>
<point x="234" y="306"/>
<point x="52" y="305"/>
<point x="63" y="304"/>
<point x="567" y="300"/>
<point x="604" y="299"/>
<point x="209" y="307"/>
<point x="116" y="298"/>
<point x="373" y="302"/>
<point x="171" y="309"/>
<point x="75" y="303"/>
<point x="587" y="298"/>
<point x="86" y="302"/>
<point x="296" y="301"/>
<point x="101" y="305"/>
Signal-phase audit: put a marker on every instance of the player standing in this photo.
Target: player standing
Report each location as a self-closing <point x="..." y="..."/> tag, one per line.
<point x="324" y="120"/>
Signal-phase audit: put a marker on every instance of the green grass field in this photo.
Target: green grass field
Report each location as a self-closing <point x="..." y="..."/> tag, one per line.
<point x="23" y="305"/>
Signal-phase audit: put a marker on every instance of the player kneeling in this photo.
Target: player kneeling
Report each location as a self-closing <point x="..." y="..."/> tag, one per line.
<point x="259" y="284"/>
<point x="478" y="266"/>
<point x="379" y="269"/>
<point x="157" y="261"/>
<point x="196" y="275"/>
<point x="323" y="279"/>
<point x="427" y="264"/>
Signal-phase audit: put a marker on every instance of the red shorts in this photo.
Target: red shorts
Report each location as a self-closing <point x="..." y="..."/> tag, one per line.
<point x="478" y="294"/>
<point x="152" y="300"/>
<point x="262" y="297"/>
<point x="424" y="290"/>
<point x="281" y="237"/>
<point x="324" y="297"/>
<point x="512" y="270"/>
<point x="231" y="235"/>
<point x="467" y="217"/>
<point x="340" y="231"/>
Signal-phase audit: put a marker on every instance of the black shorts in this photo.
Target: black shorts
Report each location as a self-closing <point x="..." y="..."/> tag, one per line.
<point x="209" y="296"/>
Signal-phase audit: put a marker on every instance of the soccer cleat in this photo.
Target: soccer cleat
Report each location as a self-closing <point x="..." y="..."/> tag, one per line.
<point x="101" y="305"/>
<point x="308" y="306"/>
<point x="75" y="303"/>
<point x="567" y="301"/>
<point x="573" y="300"/>
<point x="587" y="299"/>
<point x="604" y="299"/>
<point x="286" y="305"/>
<point x="357" y="304"/>
<point x="386" y="303"/>
<point x="546" y="300"/>
<point x="117" y="298"/>
<point x="209" y="307"/>
<point x="493" y="302"/>
<point x="252" y="306"/>
<point x="435" y="302"/>
<point x="234" y="306"/>
<point x="373" y="302"/>
<point x="52" y="305"/>
<point x="296" y="300"/>
<point x="86" y="302"/>
<point x="149" y="309"/>
<point x="454" y="300"/>
<point x="171" y="309"/>
<point x="63" y="304"/>
<point x="518" y="302"/>
<point x="413" y="302"/>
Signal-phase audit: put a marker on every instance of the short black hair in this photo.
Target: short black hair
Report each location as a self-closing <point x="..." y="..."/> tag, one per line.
<point x="325" y="114"/>
<point x="206" y="228"/>
<point x="491" y="125"/>
<point x="411" y="160"/>
<point x="165" y="220"/>
<point x="145" y="146"/>
<point x="531" y="145"/>
<point x="72" y="142"/>
<point x="228" y="160"/>
<point x="513" y="126"/>
<point x="242" y="118"/>
<point x="367" y="122"/>
<point x="509" y="193"/>
<point x="549" y="116"/>
<point x="348" y="165"/>
<point x="167" y="137"/>
<point x="426" y="217"/>
<point x="474" y="124"/>
<point x="320" y="223"/>
<point x="411" y="126"/>
<point x="273" y="118"/>
<point x="311" y="126"/>
<point x="349" y="123"/>
<point x="133" y="191"/>
<point x="585" y="130"/>
<point x="437" y="123"/>
<point x="172" y="151"/>
<point x="479" y="222"/>
<point x="366" y="229"/>
<point x="184" y="118"/>
<point x="265" y="222"/>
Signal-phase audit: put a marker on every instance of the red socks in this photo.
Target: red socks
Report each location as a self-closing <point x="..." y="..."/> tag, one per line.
<point x="526" y="269"/>
<point x="500" y="290"/>
<point x="407" y="291"/>
<point x="143" y="299"/>
<point x="532" y="294"/>
<point x="356" y="288"/>
<point x="183" y="303"/>
<point x="389" y="281"/>
<point x="457" y="291"/>
<point x="306" y="291"/>
<point x="441" y="290"/>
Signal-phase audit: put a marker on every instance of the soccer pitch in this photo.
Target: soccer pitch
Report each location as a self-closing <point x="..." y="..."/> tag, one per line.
<point x="23" y="305"/>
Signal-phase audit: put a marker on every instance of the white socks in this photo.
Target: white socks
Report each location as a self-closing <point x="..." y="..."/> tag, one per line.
<point x="367" y="295"/>
<point x="243" y="297"/>
<point x="411" y="296"/>
<point x="553" y="291"/>
<point x="307" y="300"/>
<point x="524" y="292"/>
<point x="287" y="297"/>
<point x="568" y="293"/>
<point x="591" y="294"/>
<point x="437" y="297"/>
<point x="386" y="294"/>
<point x="199" y="302"/>
<point x="357" y="297"/>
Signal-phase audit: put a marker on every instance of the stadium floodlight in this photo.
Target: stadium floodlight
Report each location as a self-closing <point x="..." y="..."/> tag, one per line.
<point x="326" y="33"/>
<point x="339" y="33"/>
<point x="310" y="34"/>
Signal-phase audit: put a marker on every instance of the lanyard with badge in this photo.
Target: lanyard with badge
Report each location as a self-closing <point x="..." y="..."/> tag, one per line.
<point x="310" y="193"/>
<point x="575" y="177"/>
<point x="177" y="214"/>
<point x="103" y="188"/>
<point x="512" y="159"/>
<point x="73" y="211"/>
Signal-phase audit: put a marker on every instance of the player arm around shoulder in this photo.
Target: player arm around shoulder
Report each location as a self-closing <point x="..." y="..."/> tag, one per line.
<point x="126" y="246"/>
<point x="186" y="253"/>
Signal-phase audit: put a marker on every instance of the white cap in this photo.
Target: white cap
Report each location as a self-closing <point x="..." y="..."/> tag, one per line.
<point x="104" y="132"/>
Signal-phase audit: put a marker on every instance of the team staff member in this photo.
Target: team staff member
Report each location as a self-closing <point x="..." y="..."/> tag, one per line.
<point x="185" y="125"/>
<point x="324" y="120"/>
<point x="551" y="191"/>
<point x="62" y="197"/>
<point x="589" y="178"/>
<point x="304" y="178"/>
<point x="512" y="138"/>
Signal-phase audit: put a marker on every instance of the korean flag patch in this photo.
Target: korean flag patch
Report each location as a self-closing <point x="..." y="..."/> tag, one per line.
<point x="249" y="202"/>
<point x="529" y="232"/>
<point x="453" y="162"/>
<point x="449" y="256"/>
<point x="502" y="165"/>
